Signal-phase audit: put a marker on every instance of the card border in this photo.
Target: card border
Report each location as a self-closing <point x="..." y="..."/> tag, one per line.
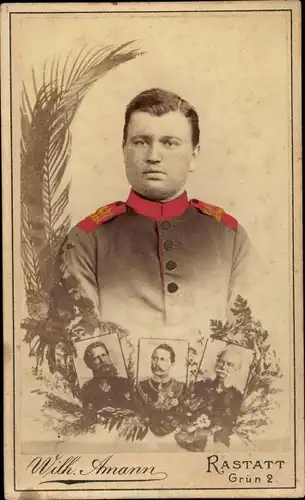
<point x="292" y="139"/>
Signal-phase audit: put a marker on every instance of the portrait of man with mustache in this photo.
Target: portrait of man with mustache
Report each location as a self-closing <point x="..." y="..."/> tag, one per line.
<point x="161" y="390"/>
<point x="106" y="388"/>
<point x="221" y="398"/>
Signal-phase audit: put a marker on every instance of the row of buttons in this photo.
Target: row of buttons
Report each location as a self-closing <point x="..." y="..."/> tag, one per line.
<point x="170" y="265"/>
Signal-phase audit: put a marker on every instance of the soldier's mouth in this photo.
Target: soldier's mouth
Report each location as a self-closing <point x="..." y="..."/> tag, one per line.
<point x="154" y="172"/>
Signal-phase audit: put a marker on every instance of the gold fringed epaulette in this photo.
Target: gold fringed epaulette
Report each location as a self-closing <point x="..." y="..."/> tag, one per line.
<point x="216" y="212"/>
<point x="102" y="215"/>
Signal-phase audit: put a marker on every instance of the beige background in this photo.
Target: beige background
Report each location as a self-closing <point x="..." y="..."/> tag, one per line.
<point x="235" y="68"/>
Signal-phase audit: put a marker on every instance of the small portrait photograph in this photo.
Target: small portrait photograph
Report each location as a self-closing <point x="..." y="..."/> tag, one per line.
<point x="218" y="395"/>
<point x="224" y="370"/>
<point x="162" y="371"/>
<point x="226" y="365"/>
<point x="102" y="373"/>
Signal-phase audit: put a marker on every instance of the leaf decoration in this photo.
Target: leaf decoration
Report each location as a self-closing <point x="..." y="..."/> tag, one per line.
<point x="130" y="425"/>
<point x="47" y="111"/>
<point x="133" y="423"/>
<point x="46" y="148"/>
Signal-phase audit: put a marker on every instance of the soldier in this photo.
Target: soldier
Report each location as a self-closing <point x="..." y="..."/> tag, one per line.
<point x="158" y="259"/>
<point x="161" y="390"/>
<point x="221" y="399"/>
<point x="106" y="388"/>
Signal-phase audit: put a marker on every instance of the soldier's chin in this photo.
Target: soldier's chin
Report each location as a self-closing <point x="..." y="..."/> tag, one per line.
<point x="155" y="189"/>
<point x="221" y="374"/>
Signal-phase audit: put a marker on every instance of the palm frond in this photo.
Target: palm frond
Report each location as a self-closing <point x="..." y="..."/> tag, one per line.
<point x="60" y="204"/>
<point x="45" y="152"/>
<point x="75" y="67"/>
<point x="93" y="68"/>
<point x="87" y="59"/>
<point x="29" y="256"/>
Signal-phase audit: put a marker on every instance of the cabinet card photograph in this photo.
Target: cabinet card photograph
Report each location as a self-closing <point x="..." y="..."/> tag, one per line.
<point x="152" y="250"/>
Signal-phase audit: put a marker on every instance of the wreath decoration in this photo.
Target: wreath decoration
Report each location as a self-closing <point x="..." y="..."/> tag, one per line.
<point x="45" y="151"/>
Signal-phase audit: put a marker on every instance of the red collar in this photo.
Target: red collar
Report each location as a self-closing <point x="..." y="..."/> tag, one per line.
<point x="156" y="210"/>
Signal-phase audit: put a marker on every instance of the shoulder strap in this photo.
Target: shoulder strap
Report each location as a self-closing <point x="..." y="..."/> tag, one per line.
<point x="216" y="212"/>
<point x="102" y="215"/>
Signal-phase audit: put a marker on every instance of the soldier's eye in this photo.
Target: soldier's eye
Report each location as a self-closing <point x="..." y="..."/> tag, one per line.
<point x="171" y="143"/>
<point x="139" y="142"/>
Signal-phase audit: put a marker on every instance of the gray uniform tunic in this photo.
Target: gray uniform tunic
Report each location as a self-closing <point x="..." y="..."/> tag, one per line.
<point x="159" y="270"/>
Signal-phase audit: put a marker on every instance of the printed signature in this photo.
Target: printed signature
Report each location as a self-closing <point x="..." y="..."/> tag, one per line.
<point x="70" y="466"/>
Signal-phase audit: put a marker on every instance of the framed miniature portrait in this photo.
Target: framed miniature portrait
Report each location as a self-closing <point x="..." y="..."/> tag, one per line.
<point x="172" y="353"/>
<point x="101" y="355"/>
<point x="227" y="361"/>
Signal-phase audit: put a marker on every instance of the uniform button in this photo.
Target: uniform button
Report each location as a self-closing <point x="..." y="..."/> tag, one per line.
<point x="168" y="244"/>
<point x="165" y="224"/>
<point x="170" y="265"/>
<point x="172" y="287"/>
<point x="118" y="203"/>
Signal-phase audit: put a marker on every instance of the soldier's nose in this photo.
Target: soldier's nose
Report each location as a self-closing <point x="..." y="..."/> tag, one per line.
<point x="153" y="161"/>
<point x="153" y="154"/>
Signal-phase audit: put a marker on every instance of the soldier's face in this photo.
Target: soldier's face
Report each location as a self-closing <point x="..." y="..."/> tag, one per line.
<point x="161" y="363"/>
<point x="159" y="154"/>
<point x="227" y="365"/>
<point x="99" y="358"/>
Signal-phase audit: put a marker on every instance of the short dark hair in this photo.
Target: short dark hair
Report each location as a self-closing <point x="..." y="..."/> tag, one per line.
<point x="169" y="349"/>
<point x="158" y="102"/>
<point x="89" y="348"/>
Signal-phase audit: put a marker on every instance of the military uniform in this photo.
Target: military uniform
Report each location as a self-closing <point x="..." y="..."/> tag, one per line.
<point x="163" y="266"/>
<point x="100" y="392"/>
<point x="162" y="396"/>
<point x="221" y="404"/>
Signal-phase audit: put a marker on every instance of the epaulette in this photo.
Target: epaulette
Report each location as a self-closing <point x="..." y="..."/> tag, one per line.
<point x="102" y="215"/>
<point x="217" y="213"/>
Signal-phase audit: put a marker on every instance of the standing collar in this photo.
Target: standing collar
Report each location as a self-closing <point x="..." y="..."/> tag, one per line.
<point x="156" y="210"/>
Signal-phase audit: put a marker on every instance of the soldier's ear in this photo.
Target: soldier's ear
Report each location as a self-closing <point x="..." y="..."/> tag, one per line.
<point x="195" y="153"/>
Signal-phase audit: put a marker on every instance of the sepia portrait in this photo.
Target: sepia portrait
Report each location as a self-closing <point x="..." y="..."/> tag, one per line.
<point x="153" y="237"/>
<point x="162" y="371"/>
<point x="229" y="361"/>
<point x="220" y="385"/>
